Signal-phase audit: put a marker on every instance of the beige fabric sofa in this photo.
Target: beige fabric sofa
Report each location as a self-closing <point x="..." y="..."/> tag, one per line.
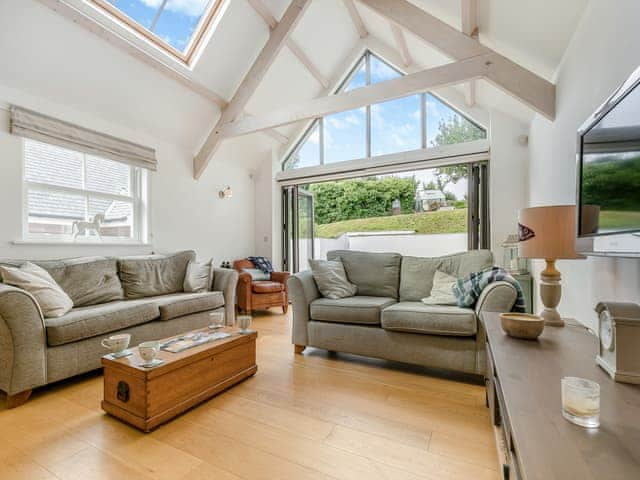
<point x="387" y="318"/>
<point x="138" y="295"/>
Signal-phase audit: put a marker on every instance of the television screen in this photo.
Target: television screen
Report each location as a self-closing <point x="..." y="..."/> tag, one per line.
<point x="609" y="190"/>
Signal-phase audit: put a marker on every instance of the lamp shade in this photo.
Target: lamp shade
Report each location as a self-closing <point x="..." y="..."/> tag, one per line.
<point x="547" y="232"/>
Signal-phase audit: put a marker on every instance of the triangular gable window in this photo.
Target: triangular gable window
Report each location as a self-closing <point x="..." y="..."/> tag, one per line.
<point x="400" y="125"/>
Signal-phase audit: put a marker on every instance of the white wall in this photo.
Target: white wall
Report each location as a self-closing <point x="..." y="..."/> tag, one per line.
<point x="185" y="214"/>
<point x="604" y="50"/>
<point x="507" y="177"/>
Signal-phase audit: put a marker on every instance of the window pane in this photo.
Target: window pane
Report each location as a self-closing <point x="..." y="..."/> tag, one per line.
<point x="445" y="126"/>
<point x="345" y="136"/>
<point x="396" y="126"/>
<point x="141" y="11"/>
<point x="308" y="153"/>
<point x="107" y="176"/>
<point x="382" y="71"/>
<point x="178" y="22"/>
<point x="53" y="165"/>
<point x="359" y="78"/>
<point x="117" y="217"/>
<point x="53" y="213"/>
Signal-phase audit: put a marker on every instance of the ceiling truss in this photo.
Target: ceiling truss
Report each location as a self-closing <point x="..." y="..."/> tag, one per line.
<point x="432" y="78"/>
<point x="469" y="27"/>
<point x="262" y="10"/>
<point x="529" y="88"/>
<point x="277" y="40"/>
<point x="356" y="18"/>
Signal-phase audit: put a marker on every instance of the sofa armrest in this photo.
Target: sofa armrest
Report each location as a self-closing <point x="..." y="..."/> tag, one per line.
<point x="23" y="341"/>
<point x="225" y="280"/>
<point x="302" y="291"/>
<point x="497" y="297"/>
<point x="244" y="291"/>
<point x="280" y="277"/>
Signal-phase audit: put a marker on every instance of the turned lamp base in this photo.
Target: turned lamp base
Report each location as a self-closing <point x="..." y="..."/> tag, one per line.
<point x="550" y="293"/>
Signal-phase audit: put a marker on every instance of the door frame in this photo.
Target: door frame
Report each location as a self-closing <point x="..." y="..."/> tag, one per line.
<point x="291" y="226"/>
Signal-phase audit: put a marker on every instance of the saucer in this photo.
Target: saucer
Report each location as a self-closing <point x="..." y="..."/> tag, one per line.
<point x="154" y="363"/>
<point x="124" y="353"/>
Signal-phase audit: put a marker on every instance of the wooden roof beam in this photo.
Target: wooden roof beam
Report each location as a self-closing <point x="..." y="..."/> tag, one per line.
<point x="262" y="10"/>
<point x="401" y="44"/>
<point x="531" y="89"/>
<point x="356" y="18"/>
<point x="275" y="43"/>
<point x="450" y="74"/>
<point x="469" y="26"/>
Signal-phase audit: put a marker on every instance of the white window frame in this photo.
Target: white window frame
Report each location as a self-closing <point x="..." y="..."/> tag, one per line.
<point x="366" y="57"/>
<point x="139" y="198"/>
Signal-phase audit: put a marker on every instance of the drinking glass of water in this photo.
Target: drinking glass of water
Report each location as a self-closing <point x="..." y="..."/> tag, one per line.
<point x="216" y="320"/>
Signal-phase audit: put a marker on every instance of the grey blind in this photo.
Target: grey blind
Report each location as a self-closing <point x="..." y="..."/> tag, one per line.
<point x="36" y="126"/>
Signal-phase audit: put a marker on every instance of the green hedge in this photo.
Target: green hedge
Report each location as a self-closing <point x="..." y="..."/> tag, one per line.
<point x="361" y="198"/>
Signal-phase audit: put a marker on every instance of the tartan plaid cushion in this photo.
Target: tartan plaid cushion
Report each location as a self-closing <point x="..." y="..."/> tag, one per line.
<point x="467" y="290"/>
<point x="262" y="263"/>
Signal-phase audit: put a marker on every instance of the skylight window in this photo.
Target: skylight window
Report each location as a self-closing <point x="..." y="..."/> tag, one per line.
<point x="175" y="25"/>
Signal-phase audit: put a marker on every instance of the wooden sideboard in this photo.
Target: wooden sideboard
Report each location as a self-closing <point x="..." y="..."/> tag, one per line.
<point x="523" y="393"/>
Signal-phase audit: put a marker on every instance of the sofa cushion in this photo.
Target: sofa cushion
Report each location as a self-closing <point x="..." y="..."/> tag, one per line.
<point x="416" y="317"/>
<point x="331" y="279"/>
<point x="180" y="304"/>
<point x="198" y="277"/>
<point x="359" y="309"/>
<point x="416" y="275"/>
<point x="375" y="274"/>
<point x="152" y="275"/>
<point x="267" y="287"/>
<point x="51" y="299"/>
<point x="87" y="280"/>
<point x="86" y="322"/>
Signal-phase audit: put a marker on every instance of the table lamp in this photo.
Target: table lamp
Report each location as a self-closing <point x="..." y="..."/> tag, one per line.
<point x="548" y="233"/>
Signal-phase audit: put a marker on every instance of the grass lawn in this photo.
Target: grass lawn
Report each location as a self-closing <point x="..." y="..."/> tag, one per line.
<point x="452" y="221"/>
<point x="619" y="220"/>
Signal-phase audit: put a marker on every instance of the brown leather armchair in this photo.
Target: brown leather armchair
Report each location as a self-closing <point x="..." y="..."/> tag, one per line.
<point x="261" y="294"/>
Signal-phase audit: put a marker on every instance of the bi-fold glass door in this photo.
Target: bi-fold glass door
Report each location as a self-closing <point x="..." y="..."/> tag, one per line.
<point x="298" y="228"/>
<point x="445" y="216"/>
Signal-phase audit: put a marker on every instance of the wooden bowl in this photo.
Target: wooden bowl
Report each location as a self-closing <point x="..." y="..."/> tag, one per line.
<point x="522" y="325"/>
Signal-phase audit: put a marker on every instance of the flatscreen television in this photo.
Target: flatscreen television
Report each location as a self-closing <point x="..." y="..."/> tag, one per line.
<point x="608" y="155"/>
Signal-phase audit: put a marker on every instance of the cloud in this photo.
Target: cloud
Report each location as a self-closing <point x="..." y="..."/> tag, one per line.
<point x="343" y="121"/>
<point x="191" y="8"/>
<point x="380" y="71"/>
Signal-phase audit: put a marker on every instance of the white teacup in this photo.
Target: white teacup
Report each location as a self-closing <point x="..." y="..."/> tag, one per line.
<point x="149" y="351"/>
<point x="117" y="343"/>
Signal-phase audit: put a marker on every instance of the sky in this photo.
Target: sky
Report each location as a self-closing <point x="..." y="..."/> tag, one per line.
<point x="177" y="22"/>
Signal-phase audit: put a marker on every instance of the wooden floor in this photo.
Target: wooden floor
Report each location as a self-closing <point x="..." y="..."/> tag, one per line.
<point x="311" y="416"/>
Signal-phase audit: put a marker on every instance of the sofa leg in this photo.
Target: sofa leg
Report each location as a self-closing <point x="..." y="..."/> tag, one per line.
<point x="18" y="399"/>
<point x="299" y="348"/>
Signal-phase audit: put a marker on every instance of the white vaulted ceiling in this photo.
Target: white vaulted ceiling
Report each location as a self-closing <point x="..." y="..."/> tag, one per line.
<point x="44" y="54"/>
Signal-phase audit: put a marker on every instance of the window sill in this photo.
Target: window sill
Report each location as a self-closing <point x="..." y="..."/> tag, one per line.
<point x="80" y="244"/>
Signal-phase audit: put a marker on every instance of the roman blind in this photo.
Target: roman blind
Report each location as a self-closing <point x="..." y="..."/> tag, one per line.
<point x="36" y="126"/>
